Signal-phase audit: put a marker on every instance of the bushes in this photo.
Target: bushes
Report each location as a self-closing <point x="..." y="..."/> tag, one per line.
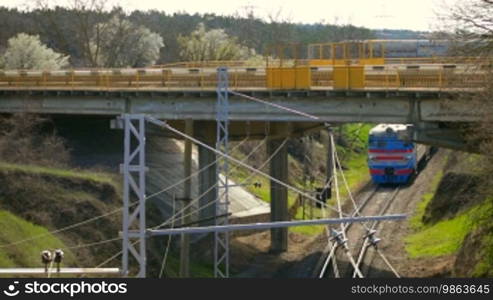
<point x="30" y="139"/>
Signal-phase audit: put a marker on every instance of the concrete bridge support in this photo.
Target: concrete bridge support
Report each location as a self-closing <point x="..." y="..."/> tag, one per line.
<point x="206" y="132"/>
<point x="278" y="193"/>
<point x="163" y="155"/>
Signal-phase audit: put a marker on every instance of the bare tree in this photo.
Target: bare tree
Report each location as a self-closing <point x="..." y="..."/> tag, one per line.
<point x="125" y="44"/>
<point x="88" y="24"/>
<point x="90" y="28"/>
<point x="281" y="27"/>
<point x="470" y="25"/>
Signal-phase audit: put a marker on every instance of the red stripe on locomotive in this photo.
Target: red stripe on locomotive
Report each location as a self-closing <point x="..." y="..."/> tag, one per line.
<point x="390" y="150"/>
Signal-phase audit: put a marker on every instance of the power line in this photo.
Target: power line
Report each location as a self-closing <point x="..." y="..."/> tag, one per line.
<point x="294" y="189"/>
<point x="343" y="231"/>
<point x="93" y="244"/>
<point x="294" y="111"/>
<point x="191" y="203"/>
<point x="113" y="211"/>
<point x="62" y="229"/>
<point x="163" y="263"/>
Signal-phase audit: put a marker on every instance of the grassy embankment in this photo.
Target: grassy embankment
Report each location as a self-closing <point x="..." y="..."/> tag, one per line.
<point x="36" y="200"/>
<point x="30" y="196"/>
<point x="448" y="235"/>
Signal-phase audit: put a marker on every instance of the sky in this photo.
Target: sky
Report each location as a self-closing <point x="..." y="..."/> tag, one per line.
<point x="374" y="14"/>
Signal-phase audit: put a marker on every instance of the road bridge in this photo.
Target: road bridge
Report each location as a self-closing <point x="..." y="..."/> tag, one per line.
<point x="432" y="97"/>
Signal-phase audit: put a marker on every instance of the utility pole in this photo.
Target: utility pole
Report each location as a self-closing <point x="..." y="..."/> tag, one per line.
<point x="221" y="239"/>
<point x="187" y="196"/>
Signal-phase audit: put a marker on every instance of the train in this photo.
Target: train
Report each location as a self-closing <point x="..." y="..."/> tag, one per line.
<point x="392" y="158"/>
<point x="376" y="51"/>
<point x="415" y="48"/>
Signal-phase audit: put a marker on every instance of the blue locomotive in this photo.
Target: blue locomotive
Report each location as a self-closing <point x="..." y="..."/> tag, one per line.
<point x="391" y="158"/>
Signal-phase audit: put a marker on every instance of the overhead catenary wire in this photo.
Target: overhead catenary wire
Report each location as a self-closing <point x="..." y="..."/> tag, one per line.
<point x="62" y="229"/>
<point x="75" y="225"/>
<point x="93" y="244"/>
<point x="213" y="202"/>
<point x="324" y="267"/>
<point x="366" y="243"/>
<point x="173" y="218"/>
<point x="192" y="174"/>
<point x="294" y="111"/>
<point x="344" y="227"/>
<point x="166" y="251"/>
<point x="350" y="194"/>
<point x="387" y="263"/>
<point x="343" y="231"/>
<point x="194" y="201"/>
<point x="236" y="161"/>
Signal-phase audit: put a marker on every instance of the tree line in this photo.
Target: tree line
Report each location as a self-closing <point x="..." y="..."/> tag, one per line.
<point x="93" y="35"/>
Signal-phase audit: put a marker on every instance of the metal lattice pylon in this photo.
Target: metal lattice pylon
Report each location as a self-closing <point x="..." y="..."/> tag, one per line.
<point x="134" y="186"/>
<point x="221" y="239"/>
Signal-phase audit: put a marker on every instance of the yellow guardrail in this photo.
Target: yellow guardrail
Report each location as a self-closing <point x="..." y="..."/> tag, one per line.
<point x="293" y="77"/>
<point x="289" y="78"/>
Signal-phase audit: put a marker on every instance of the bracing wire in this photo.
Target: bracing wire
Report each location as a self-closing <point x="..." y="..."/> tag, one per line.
<point x="62" y="229"/>
<point x="196" y="199"/>
<point x="166" y="251"/>
<point x="173" y="218"/>
<point x="343" y="229"/>
<point x="357" y="212"/>
<point x="69" y="227"/>
<point x="93" y="244"/>
<point x="238" y="162"/>
<point x="388" y="263"/>
<point x="291" y="110"/>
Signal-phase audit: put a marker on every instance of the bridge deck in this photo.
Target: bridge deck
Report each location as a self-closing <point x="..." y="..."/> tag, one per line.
<point x="377" y="94"/>
<point x="427" y="77"/>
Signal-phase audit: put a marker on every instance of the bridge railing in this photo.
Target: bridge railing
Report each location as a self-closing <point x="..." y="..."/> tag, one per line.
<point x="430" y="76"/>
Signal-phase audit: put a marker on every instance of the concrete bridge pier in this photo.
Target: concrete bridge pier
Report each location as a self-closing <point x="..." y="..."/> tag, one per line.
<point x="164" y="158"/>
<point x="278" y="193"/>
<point x="205" y="131"/>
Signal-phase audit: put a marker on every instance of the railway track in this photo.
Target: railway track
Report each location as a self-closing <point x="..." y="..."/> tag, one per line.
<point x="364" y="260"/>
<point x="375" y="202"/>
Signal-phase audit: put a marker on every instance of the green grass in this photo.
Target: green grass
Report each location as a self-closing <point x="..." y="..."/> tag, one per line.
<point x="446" y="237"/>
<point x="416" y="222"/>
<point x="482" y="219"/>
<point x="197" y="269"/>
<point x="442" y="238"/>
<point x="355" y="175"/>
<point x="78" y="174"/>
<point x="485" y="266"/>
<point x="26" y="254"/>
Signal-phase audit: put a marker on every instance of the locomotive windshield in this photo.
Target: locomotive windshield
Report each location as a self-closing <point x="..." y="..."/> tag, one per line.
<point x="388" y="143"/>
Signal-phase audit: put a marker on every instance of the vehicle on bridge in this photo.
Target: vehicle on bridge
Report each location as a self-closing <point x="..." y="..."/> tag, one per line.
<point x="392" y="158"/>
<point x="377" y="52"/>
<point x="415" y="48"/>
